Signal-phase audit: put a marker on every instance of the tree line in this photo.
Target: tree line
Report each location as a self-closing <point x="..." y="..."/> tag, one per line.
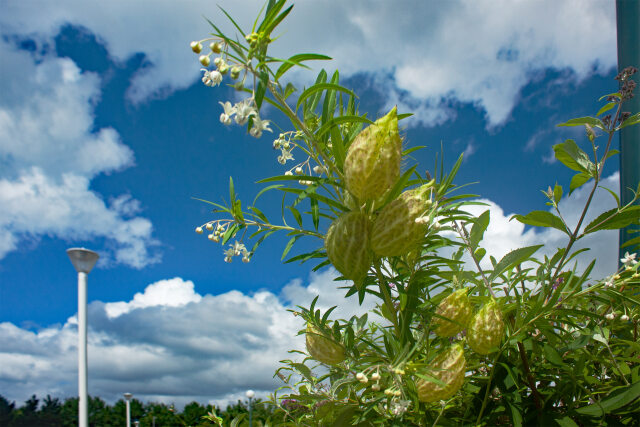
<point x="52" y="411"/>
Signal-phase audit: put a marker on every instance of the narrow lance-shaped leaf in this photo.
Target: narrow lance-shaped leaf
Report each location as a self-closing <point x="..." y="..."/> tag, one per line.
<point x="513" y="258"/>
<point x="480" y="224"/>
<point x="542" y="219"/>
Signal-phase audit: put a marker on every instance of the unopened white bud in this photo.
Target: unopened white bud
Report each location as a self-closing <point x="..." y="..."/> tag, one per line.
<point x="211" y="236"/>
<point x="209" y="226"/>
<point x="317" y="169"/>
<point x="288" y="173"/>
<point x="375" y="376"/>
<point x="298" y="170"/>
<point x="199" y="230"/>
<point x="204" y="60"/>
<point x="624" y="317"/>
<point x="196" y="47"/>
<point x="375" y="387"/>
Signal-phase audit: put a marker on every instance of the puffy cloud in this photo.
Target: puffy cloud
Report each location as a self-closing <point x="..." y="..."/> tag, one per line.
<point x="49" y="153"/>
<point x="503" y="235"/>
<point x="169" y="343"/>
<point x="427" y="54"/>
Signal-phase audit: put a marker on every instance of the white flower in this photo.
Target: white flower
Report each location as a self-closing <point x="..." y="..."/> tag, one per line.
<point x="624" y="317"/>
<point x="286" y="155"/>
<point x="211" y="78"/>
<point x="299" y="170"/>
<point x="239" y="248"/>
<point x="229" y="110"/>
<point x="288" y="173"/>
<point x="228" y="259"/>
<point x="259" y="125"/>
<point x="199" y="230"/>
<point x="422" y="220"/>
<point x="230" y="253"/>
<point x="629" y="260"/>
<point x="610" y="316"/>
<point x="317" y="169"/>
<point x="244" y="110"/>
<point x="608" y="284"/>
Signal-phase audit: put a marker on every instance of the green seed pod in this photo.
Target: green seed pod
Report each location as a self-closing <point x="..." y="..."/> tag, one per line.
<point x="448" y="367"/>
<point x="323" y="349"/>
<point x="486" y="329"/>
<point x="455" y="307"/>
<point x="347" y="244"/>
<point x="395" y="231"/>
<point x="372" y="164"/>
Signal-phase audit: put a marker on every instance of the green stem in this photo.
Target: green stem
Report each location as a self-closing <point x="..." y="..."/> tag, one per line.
<point x="388" y="301"/>
<point x="487" y="391"/>
<point x="462" y="232"/>
<point x="599" y="167"/>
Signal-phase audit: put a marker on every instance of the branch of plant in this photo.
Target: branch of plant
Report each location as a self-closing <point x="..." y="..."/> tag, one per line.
<point x="574" y="236"/>
<point x="613" y="358"/>
<point x="388" y="301"/>
<point x="485" y="400"/>
<point x="311" y="137"/>
<point x="462" y="232"/>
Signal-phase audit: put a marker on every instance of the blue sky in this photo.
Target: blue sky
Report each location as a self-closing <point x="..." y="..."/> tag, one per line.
<point x="106" y="134"/>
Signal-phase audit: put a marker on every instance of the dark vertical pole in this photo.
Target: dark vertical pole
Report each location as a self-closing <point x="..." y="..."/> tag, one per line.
<point x="627" y="20"/>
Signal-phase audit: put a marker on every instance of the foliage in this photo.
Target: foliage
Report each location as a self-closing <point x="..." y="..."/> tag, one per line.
<point x="52" y="412"/>
<point x="553" y="345"/>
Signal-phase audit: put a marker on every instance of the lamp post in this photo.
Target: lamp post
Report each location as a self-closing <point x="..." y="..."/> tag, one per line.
<point x="250" y="394"/>
<point x="127" y="402"/>
<point x="83" y="261"/>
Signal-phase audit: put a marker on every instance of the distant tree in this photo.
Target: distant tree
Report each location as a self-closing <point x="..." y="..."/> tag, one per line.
<point x="158" y="414"/>
<point x="50" y="412"/>
<point x="193" y="412"/>
<point x="6" y="411"/>
<point x="69" y="412"/>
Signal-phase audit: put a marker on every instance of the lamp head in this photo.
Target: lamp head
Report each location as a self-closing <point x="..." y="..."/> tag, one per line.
<point x="128" y="396"/>
<point x="82" y="259"/>
<point x="250" y="394"/>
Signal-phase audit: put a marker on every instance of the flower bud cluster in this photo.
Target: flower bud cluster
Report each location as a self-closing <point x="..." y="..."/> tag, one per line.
<point x="217" y="230"/>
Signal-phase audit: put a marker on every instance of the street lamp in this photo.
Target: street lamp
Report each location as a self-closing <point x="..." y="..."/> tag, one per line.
<point x="250" y="394"/>
<point x="127" y="400"/>
<point x="83" y="261"/>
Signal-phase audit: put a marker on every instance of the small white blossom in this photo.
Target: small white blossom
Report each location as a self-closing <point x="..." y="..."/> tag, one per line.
<point x="629" y="260"/>
<point x="199" y="230"/>
<point x="610" y="316"/>
<point x="624" y="317"/>
<point x="244" y="110"/>
<point x="288" y="173"/>
<point x="317" y="170"/>
<point x="286" y="155"/>
<point x="422" y="220"/>
<point x="258" y="126"/>
<point x="246" y="259"/>
<point x="230" y="253"/>
<point x="239" y="248"/>
<point x="299" y="170"/>
<point x="211" y="78"/>
<point x="229" y="110"/>
<point x="228" y="259"/>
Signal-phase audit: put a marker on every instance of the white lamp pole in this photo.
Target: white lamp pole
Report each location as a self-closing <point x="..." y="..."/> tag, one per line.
<point x="83" y="261"/>
<point x="250" y="394"/>
<point x="127" y="399"/>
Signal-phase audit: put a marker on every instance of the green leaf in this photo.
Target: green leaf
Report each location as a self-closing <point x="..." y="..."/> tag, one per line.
<point x="296" y="215"/>
<point x="290" y="245"/>
<point x="315" y="213"/>
<point x="277" y="21"/>
<point x="565" y="422"/>
<point x="542" y="219"/>
<point x="263" y="82"/>
<point x="573" y="157"/>
<point x="580" y="121"/>
<point x="606" y="108"/>
<point x="337" y="146"/>
<point x="557" y="193"/>
<point x="634" y="241"/>
<point x="578" y="181"/>
<point x="480" y="224"/>
<point x="513" y="258"/>
<point x="552" y="355"/>
<point x="399" y="185"/>
<point x="631" y="120"/>
<point x="297" y="60"/>
<point x="339" y="120"/>
<point x="619" y="398"/>
<point x="329" y="105"/>
<point x="318" y="87"/>
<point x="614" y="219"/>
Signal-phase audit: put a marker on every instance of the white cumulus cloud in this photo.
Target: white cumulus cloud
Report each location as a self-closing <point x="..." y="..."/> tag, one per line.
<point x="49" y="153"/>
<point x="424" y="55"/>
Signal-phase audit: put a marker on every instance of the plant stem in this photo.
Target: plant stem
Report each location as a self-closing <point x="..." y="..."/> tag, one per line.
<point x="532" y="384"/>
<point x="388" y="301"/>
<point x="599" y="167"/>
<point x="465" y="237"/>
<point x="487" y="391"/>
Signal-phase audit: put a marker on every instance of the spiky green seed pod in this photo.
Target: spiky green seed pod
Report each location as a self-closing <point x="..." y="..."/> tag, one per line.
<point x="486" y="329"/>
<point x="372" y="164"/>
<point x="323" y="349"/>
<point x="395" y="231"/>
<point x="347" y="244"/>
<point x="457" y="309"/>
<point x="448" y="367"/>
